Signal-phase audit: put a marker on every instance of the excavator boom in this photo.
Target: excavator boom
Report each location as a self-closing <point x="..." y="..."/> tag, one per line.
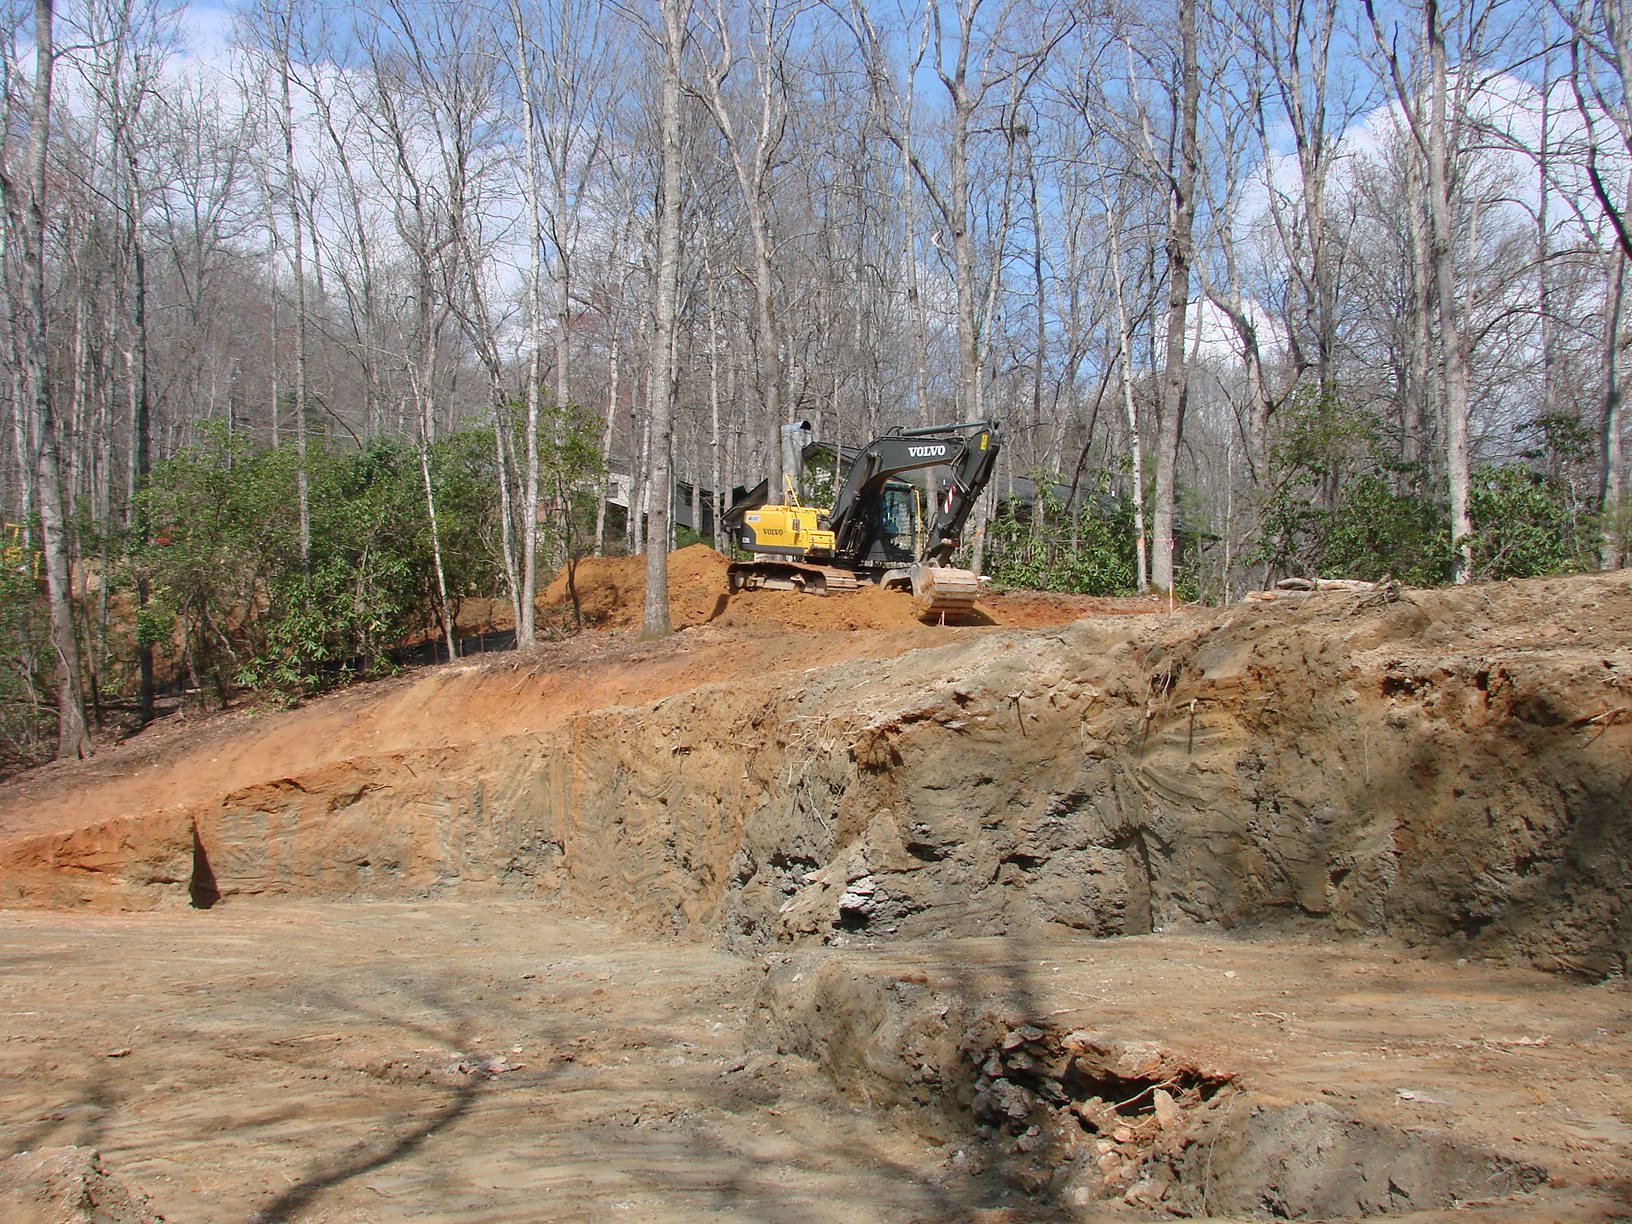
<point x="969" y="450"/>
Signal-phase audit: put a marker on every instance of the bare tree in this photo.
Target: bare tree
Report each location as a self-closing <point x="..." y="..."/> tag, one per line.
<point x="1180" y="256"/>
<point x="1600" y="75"/>
<point x="25" y="211"/>
<point x="276" y="21"/>
<point x="674" y="17"/>
<point x="1291" y="46"/>
<point x="564" y="125"/>
<point x="119" y="67"/>
<point x="1434" y="107"/>
<point x="430" y="95"/>
<point x="755" y="150"/>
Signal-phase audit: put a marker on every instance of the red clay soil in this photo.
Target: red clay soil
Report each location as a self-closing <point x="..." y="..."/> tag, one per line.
<point x="612" y="590"/>
<point x="189" y="755"/>
<point x="192" y="753"/>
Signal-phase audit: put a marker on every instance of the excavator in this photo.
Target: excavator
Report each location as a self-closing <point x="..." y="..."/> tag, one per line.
<point x="876" y="531"/>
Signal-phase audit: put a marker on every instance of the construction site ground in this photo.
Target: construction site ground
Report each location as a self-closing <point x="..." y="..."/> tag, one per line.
<point x="488" y="1061"/>
<point x="812" y="942"/>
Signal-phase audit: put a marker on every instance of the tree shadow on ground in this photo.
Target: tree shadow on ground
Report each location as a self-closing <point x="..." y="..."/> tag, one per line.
<point x="87" y="1115"/>
<point x="367" y="1157"/>
<point x="684" y="1133"/>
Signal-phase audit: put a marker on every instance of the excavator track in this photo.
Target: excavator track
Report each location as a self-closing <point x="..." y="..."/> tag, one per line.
<point x="789" y="576"/>
<point x="942" y="594"/>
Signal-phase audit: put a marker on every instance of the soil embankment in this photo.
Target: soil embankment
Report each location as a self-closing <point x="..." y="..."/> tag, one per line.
<point x="866" y="809"/>
<point x="1451" y="766"/>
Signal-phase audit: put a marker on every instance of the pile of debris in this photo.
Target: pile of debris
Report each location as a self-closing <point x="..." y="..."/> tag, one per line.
<point x="1090" y="1117"/>
<point x="1386" y="591"/>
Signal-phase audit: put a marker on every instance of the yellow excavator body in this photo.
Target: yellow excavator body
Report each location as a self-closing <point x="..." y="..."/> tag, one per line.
<point x="790" y="530"/>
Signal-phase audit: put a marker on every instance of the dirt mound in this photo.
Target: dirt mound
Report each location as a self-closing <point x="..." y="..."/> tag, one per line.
<point x="612" y="593"/>
<point x="612" y="590"/>
<point x="1039" y="609"/>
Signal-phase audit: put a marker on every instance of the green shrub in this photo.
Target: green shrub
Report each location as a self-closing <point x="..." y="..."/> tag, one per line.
<point x="1378" y="532"/>
<point x="1088" y="552"/>
<point x="1526" y="524"/>
<point x="232" y="593"/>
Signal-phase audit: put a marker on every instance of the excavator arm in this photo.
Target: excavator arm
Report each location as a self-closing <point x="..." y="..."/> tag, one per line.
<point x="969" y="450"/>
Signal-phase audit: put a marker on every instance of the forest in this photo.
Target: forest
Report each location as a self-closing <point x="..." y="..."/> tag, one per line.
<point x="323" y="318"/>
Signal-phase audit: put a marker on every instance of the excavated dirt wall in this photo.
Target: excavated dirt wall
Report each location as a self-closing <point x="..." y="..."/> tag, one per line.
<point x="1451" y="766"/>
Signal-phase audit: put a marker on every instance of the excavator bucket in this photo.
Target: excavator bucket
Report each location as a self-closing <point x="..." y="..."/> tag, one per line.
<point x="942" y="594"/>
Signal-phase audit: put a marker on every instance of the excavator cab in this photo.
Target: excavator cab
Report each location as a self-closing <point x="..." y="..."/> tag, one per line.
<point x="900" y="524"/>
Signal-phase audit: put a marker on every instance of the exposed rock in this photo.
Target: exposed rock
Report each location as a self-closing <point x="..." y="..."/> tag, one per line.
<point x="1123" y="1118"/>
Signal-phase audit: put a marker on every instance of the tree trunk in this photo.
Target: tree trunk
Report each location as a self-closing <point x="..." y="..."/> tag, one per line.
<point x="1169" y="427"/>
<point x="526" y="613"/>
<point x="443" y="604"/>
<point x="665" y="383"/>
<point x="142" y="430"/>
<point x="963" y="258"/>
<point x="1611" y="465"/>
<point x="73" y="736"/>
<point x="292" y="187"/>
<point x="609" y="420"/>
<point x="1125" y="361"/>
<point x="1454" y="356"/>
<point x="714" y="413"/>
<point x="1418" y="408"/>
<point x="751" y="159"/>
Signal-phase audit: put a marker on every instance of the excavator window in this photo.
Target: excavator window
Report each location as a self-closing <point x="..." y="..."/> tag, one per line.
<point x="898" y="523"/>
